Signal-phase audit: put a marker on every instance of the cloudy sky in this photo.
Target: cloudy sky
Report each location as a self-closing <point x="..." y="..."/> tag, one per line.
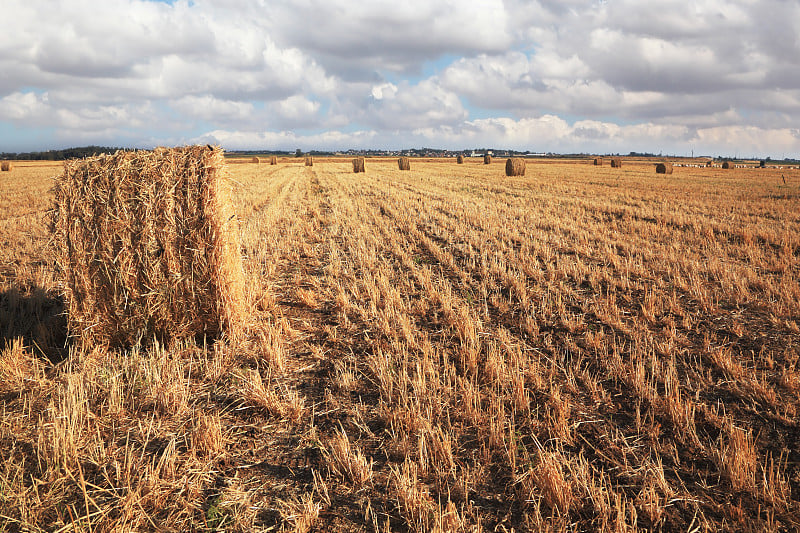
<point x="716" y="77"/>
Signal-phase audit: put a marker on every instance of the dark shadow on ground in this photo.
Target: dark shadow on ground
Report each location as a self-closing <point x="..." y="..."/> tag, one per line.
<point x="37" y="317"/>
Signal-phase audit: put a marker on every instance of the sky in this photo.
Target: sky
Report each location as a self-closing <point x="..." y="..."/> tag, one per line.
<point x="708" y="77"/>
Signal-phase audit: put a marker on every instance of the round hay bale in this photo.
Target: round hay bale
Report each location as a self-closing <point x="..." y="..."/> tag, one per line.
<point x="727" y="164"/>
<point x="358" y="165"/>
<point x="487" y="159"/>
<point x="664" y="168"/>
<point x="616" y="162"/>
<point x="309" y="161"/>
<point x="6" y="166"/>
<point x="710" y="163"/>
<point x="273" y="160"/>
<point x="515" y="166"/>
<point x="404" y="163"/>
<point x="460" y="159"/>
<point x="598" y="161"/>
<point x="255" y="160"/>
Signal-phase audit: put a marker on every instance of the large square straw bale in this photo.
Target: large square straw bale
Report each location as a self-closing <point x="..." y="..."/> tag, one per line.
<point x="148" y="246"/>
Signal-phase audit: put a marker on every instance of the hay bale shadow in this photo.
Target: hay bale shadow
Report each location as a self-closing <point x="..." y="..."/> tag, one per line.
<point x="37" y="316"/>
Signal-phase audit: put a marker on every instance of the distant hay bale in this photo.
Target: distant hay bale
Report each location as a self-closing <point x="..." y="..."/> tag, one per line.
<point x="487" y="159"/>
<point x="460" y="159"/>
<point x="309" y="161"/>
<point x="616" y="162"/>
<point x="255" y="160"/>
<point x="598" y="161"/>
<point x="515" y="166"/>
<point x="709" y="163"/>
<point x="273" y="160"/>
<point x="404" y="163"/>
<point x="359" y="165"/>
<point x="147" y="245"/>
<point x="6" y="166"/>
<point x="727" y="164"/>
<point x="664" y="168"/>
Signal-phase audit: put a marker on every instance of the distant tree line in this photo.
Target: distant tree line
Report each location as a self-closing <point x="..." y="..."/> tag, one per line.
<point x="88" y="151"/>
<point x="60" y="155"/>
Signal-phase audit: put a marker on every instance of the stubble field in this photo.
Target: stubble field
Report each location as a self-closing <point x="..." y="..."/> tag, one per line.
<point x="582" y="348"/>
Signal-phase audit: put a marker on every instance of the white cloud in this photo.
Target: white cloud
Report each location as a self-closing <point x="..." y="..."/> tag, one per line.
<point x="352" y="39"/>
<point x="21" y="106"/>
<point x="286" y="140"/>
<point x="210" y="108"/>
<point x="297" y="105"/>
<point x="413" y="106"/>
<point x="750" y="139"/>
<point x="619" y="75"/>
<point x="384" y="90"/>
<point x="296" y="111"/>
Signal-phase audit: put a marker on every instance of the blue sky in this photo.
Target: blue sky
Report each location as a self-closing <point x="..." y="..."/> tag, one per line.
<point x="715" y="77"/>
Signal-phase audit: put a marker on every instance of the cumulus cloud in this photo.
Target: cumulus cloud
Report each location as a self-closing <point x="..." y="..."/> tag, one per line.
<point x="566" y="75"/>
<point x="384" y="90"/>
<point x="552" y="133"/>
<point x="350" y="39"/>
<point x="209" y="108"/>
<point x="27" y="107"/>
<point x="287" y="140"/>
<point x="412" y="106"/>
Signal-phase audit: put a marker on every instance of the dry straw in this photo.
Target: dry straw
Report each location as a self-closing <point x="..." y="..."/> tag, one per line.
<point x="148" y="247"/>
<point x="616" y="162"/>
<point x="727" y="164"/>
<point x="515" y="166"/>
<point x="664" y="168"/>
<point x="460" y="159"/>
<point x="6" y="166"/>
<point x="273" y="160"/>
<point x="255" y="160"/>
<point x="598" y="161"/>
<point x="359" y="165"/>
<point x="404" y="163"/>
<point x="487" y="159"/>
<point x="309" y="161"/>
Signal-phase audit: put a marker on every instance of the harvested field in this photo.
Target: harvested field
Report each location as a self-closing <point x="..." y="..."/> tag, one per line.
<point x="589" y="349"/>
